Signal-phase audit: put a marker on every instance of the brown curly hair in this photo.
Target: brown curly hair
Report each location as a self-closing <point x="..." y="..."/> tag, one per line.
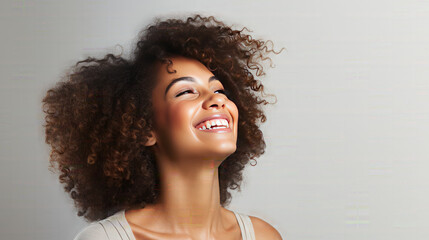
<point x="99" y="115"/>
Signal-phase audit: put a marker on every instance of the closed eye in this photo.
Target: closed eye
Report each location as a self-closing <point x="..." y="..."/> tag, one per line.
<point x="223" y="91"/>
<point x="184" y="92"/>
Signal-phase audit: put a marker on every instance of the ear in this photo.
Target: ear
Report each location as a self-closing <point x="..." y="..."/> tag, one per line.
<point x="151" y="139"/>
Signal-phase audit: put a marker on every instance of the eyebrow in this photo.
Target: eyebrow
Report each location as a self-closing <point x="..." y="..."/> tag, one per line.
<point x="190" y="79"/>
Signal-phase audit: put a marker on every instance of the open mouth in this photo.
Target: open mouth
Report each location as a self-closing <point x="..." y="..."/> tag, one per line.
<point x="215" y="125"/>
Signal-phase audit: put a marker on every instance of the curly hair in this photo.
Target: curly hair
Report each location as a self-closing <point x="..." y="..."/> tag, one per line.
<point x="99" y="115"/>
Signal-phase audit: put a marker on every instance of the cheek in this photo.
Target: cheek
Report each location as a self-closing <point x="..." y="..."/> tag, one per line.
<point x="180" y="115"/>
<point x="233" y="109"/>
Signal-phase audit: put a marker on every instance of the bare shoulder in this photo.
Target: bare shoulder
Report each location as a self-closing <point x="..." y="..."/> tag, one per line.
<point x="264" y="230"/>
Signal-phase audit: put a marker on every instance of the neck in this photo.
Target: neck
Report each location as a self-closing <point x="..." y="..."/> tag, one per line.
<point x="189" y="200"/>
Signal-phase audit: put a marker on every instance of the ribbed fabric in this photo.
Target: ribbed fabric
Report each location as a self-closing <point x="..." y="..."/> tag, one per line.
<point x="246" y="226"/>
<point x="116" y="227"/>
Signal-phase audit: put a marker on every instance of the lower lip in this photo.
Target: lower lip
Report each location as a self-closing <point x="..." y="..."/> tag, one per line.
<point x="219" y="130"/>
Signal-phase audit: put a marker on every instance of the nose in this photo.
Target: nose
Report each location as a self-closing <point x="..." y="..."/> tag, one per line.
<point x="216" y="100"/>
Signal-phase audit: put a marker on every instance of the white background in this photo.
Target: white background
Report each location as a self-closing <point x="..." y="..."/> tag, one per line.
<point x="347" y="141"/>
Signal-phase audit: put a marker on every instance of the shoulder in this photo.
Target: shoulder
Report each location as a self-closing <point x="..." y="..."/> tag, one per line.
<point x="264" y="230"/>
<point x="94" y="231"/>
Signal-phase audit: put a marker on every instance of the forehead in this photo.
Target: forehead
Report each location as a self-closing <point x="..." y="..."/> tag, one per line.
<point x="181" y="66"/>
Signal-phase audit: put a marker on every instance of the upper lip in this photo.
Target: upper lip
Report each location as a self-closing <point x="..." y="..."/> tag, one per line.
<point x="214" y="116"/>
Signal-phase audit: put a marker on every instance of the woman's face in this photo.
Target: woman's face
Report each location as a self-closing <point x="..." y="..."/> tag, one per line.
<point x="181" y="101"/>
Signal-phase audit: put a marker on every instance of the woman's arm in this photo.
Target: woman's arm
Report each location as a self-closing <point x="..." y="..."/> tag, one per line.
<point x="264" y="230"/>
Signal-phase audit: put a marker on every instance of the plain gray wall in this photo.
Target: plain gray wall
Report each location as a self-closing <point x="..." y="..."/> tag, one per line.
<point x="347" y="142"/>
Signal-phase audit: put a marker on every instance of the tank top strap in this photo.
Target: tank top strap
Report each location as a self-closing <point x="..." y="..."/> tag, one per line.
<point x="246" y="226"/>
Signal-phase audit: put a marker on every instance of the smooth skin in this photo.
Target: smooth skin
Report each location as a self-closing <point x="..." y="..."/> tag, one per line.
<point x="188" y="160"/>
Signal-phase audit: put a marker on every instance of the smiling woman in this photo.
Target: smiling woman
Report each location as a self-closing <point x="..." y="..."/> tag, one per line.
<point x="182" y="110"/>
<point x="149" y="147"/>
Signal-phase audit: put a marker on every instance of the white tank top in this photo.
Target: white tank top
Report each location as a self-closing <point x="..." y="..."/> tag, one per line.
<point x="116" y="227"/>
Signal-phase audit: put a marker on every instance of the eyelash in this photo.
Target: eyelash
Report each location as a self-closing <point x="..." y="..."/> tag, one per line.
<point x="222" y="90"/>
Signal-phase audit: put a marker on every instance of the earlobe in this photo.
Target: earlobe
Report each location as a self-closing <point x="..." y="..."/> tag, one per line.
<point x="151" y="139"/>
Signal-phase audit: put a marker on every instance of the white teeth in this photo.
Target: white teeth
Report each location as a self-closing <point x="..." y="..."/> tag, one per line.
<point x="219" y="123"/>
<point x="225" y="122"/>
<point x="203" y="128"/>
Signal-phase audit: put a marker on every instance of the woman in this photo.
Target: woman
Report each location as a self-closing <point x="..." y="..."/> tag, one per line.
<point x="148" y="147"/>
